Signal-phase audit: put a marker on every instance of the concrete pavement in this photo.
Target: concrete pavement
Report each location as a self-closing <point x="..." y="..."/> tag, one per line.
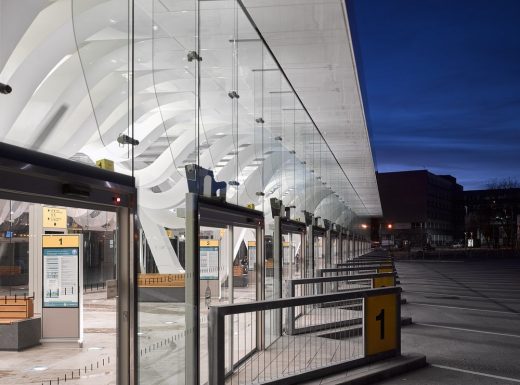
<point x="466" y="321"/>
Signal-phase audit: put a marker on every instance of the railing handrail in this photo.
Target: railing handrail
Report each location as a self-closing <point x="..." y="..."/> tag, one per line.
<point x="340" y="269"/>
<point x="335" y="278"/>
<point x="248" y="307"/>
<point x="364" y="262"/>
<point x="216" y="321"/>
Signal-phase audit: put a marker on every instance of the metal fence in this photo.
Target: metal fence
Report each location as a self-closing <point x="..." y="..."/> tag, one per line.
<point x="313" y="352"/>
<point x="301" y="319"/>
<point x="365" y="269"/>
<point x="363" y="262"/>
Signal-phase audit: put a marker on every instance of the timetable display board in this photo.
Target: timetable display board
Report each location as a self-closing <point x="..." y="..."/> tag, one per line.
<point x="61" y="286"/>
<point x="209" y="259"/>
<point x="251" y="253"/>
<point x="287" y="252"/>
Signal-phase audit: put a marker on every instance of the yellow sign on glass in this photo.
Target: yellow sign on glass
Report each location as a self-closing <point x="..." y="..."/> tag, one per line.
<point x="60" y="240"/>
<point x="209" y="242"/>
<point x="54" y="217"/>
<point x="380" y="324"/>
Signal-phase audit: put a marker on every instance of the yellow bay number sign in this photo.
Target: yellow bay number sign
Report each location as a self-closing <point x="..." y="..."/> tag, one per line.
<point x="61" y="240"/>
<point x="380" y="324"/>
<point x="384" y="281"/>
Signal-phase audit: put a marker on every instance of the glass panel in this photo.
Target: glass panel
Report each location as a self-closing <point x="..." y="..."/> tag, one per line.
<point x="319" y="253"/>
<point x="167" y="126"/>
<point x="244" y="290"/>
<point x="23" y="264"/>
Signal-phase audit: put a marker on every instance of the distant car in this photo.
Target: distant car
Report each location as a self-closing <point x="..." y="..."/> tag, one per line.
<point x="457" y="245"/>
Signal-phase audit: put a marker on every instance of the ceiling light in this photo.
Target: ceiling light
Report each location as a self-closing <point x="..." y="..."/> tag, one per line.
<point x="39" y="368"/>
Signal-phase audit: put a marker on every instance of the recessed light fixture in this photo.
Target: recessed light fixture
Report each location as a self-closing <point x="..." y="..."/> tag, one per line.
<point x="95" y="348"/>
<point x="39" y="368"/>
<point x="140" y="334"/>
<point x="169" y="322"/>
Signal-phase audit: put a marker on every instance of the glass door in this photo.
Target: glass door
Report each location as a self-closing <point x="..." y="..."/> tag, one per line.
<point x="222" y="267"/>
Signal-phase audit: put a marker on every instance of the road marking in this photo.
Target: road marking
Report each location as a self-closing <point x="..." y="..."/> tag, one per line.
<point x="464" y="296"/>
<point x="476" y="373"/>
<point x="430" y="261"/>
<point x="469" y="330"/>
<point x="464" y="308"/>
<point x="458" y="287"/>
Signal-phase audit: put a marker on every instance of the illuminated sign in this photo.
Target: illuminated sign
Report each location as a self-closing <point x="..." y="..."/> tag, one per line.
<point x="60" y="270"/>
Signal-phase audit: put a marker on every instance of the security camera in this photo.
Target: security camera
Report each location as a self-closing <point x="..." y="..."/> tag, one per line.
<point x="5" y="88"/>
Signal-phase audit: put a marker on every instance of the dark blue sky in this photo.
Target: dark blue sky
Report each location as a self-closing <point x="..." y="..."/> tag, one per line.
<point x="441" y="85"/>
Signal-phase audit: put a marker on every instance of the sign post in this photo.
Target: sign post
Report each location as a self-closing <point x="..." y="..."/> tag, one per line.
<point x="62" y="283"/>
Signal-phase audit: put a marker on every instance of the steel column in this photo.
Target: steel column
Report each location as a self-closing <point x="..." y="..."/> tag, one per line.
<point x="192" y="278"/>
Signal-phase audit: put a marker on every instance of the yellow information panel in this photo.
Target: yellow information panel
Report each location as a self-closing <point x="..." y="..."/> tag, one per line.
<point x="54" y="217"/>
<point x="380" y="324"/>
<point x="60" y="240"/>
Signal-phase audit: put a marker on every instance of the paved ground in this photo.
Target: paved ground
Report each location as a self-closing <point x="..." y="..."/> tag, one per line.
<point x="466" y="321"/>
<point x="94" y="363"/>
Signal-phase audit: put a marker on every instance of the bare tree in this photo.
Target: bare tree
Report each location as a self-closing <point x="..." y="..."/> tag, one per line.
<point x="499" y="184"/>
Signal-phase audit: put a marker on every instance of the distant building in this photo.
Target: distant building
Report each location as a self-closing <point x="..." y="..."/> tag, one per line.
<point x="493" y="217"/>
<point x="420" y="209"/>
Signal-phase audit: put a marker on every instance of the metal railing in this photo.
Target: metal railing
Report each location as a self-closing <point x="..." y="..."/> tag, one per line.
<point x="367" y="269"/>
<point x="292" y="359"/>
<point x="299" y="319"/>
<point x="354" y="263"/>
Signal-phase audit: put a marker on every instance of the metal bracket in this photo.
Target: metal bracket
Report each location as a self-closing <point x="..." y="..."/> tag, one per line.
<point x="192" y="55"/>
<point x="123" y="139"/>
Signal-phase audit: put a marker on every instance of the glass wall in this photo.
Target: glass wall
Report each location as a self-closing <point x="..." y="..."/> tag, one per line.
<point x="149" y="88"/>
<point x="22" y="270"/>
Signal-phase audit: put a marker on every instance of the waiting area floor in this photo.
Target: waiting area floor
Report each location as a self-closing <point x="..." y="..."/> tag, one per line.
<point x="94" y="363"/>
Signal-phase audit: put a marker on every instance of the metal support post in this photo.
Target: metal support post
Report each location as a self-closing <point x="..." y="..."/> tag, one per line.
<point x="310" y="263"/>
<point x="277" y="270"/>
<point x="260" y="287"/>
<point x="193" y="290"/>
<point x="126" y="305"/>
<point x="347" y="253"/>
<point x="277" y="257"/>
<point x="230" y="247"/>
<point x="328" y="248"/>
<point x="339" y="251"/>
